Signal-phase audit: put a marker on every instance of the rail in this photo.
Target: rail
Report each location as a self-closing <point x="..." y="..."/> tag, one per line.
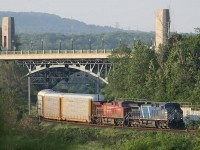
<point x="100" y="51"/>
<point x="179" y="131"/>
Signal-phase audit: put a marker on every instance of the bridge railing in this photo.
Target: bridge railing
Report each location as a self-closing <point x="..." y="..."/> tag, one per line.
<point x="97" y="51"/>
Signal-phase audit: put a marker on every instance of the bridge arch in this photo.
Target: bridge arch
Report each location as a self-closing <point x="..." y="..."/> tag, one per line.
<point x="103" y="68"/>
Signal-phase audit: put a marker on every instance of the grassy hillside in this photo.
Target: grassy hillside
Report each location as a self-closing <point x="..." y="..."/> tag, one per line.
<point x="64" y="136"/>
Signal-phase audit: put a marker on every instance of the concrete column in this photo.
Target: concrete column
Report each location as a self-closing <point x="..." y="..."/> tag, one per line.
<point x="162" y="27"/>
<point x="8" y="33"/>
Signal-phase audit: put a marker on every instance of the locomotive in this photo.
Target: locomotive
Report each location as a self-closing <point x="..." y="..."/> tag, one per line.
<point x="140" y="114"/>
<point x="92" y="108"/>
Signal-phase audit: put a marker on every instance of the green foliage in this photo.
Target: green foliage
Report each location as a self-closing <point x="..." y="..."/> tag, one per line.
<point x="142" y="58"/>
<point x="12" y="96"/>
<point x="12" y="80"/>
<point x="193" y="124"/>
<point x="8" y="113"/>
<point x="98" y="41"/>
<point x="0" y="37"/>
<point x="172" y="74"/>
<point x="53" y="136"/>
<point x="118" y="77"/>
<point x="159" y="141"/>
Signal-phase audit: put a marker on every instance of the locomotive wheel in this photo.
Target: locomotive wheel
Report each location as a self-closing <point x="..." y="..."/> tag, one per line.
<point x="127" y="123"/>
<point x="93" y="120"/>
<point x="158" y="124"/>
<point x="135" y="123"/>
<point x="99" y="121"/>
<point x="119" y="122"/>
<point x="164" y="125"/>
<point x="138" y="124"/>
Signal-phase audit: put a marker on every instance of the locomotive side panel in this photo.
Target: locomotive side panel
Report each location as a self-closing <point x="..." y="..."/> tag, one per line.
<point x="153" y="113"/>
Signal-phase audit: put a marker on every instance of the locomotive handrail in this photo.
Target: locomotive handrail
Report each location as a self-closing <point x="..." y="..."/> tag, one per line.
<point x="132" y="99"/>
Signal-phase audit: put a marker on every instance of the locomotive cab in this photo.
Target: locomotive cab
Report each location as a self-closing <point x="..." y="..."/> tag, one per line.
<point x="175" y="115"/>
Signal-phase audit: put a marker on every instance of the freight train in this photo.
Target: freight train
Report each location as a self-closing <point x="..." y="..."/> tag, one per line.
<point x="92" y="108"/>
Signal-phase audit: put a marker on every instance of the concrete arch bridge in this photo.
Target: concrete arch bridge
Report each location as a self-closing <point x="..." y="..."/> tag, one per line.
<point x="47" y="67"/>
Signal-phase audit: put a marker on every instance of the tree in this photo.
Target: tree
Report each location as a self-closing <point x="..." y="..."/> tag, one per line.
<point x="182" y="68"/>
<point x="128" y="79"/>
<point x="142" y="59"/>
<point x="171" y="75"/>
<point x="8" y="113"/>
<point x="12" y="78"/>
<point x="0" y="38"/>
<point x="119" y="76"/>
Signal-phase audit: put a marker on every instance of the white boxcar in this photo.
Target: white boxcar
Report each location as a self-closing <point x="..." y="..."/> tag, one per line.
<point x="66" y="106"/>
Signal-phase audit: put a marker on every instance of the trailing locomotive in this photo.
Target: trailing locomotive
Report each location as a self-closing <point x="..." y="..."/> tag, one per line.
<point x="92" y="108"/>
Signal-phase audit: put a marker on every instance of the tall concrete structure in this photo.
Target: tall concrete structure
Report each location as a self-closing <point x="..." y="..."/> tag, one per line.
<point x="8" y="33"/>
<point x="162" y="27"/>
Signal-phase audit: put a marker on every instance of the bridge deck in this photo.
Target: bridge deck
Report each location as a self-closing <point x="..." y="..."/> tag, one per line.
<point x="54" y="54"/>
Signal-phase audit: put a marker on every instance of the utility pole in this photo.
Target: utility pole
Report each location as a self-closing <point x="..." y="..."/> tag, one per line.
<point x="29" y="95"/>
<point x="72" y="44"/>
<point x="90" y="44"/>
<point x="98" y="86"/>
<point x="42" y="42"/>
<point x="60" y="45"/>
<point x="102" y="40"/>
<point x="31" y="45"/>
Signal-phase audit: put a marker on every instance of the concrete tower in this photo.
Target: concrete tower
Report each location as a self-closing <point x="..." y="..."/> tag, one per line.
<point x="8" y="33"/>
<point x="162" y="26"/>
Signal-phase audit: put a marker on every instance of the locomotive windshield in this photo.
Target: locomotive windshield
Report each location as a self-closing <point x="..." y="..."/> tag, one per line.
<point x="175" y="105"/>
<point x="125" y="105"/>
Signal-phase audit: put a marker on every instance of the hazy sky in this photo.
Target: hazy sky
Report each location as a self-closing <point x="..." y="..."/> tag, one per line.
<point x="128" y="14"/>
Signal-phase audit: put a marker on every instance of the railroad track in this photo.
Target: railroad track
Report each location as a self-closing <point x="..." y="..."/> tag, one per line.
<point x="119" y="127"/>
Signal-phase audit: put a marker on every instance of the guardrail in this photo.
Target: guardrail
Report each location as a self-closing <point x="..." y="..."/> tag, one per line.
<point x="101" y="51"/>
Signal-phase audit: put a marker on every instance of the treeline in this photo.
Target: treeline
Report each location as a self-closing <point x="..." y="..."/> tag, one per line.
<point x="36" y="22"/>
<point x="53" y="41"/>
<point x="173" y="74"/>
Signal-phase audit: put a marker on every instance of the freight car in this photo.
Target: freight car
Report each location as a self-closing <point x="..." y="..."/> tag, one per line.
<point x="92" y="108"/>
<point x="66" y="106"/>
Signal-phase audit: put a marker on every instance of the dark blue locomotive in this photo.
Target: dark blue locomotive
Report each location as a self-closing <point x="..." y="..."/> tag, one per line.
<point x="154" y="114"/>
